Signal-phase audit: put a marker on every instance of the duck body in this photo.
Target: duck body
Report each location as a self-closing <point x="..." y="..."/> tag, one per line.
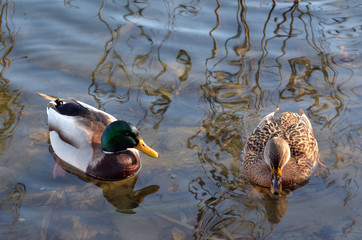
<point x="91" y="140"/>
<point x="281" y="151"/>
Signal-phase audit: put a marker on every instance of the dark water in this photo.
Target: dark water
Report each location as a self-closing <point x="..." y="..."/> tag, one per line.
<point x="195" y="77"/>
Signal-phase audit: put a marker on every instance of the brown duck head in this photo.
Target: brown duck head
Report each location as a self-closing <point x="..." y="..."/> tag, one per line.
<point x="276" y="155"/>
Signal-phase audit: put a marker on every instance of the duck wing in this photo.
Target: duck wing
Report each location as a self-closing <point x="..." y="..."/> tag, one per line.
<point x="75" y="130"/>
<point x="260" y="135"/>
<point x="301" y="138"/>
<point x="254" y="166"/>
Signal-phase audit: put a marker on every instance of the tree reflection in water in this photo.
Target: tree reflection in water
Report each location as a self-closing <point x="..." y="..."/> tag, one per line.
<point x="11" y="108"/>
<point x="244" y="81"/>
<point x="153" y="57"/>
<point x="255" y="65"/>
<point x="113" y="78"/>
<point x="11" y="198"/>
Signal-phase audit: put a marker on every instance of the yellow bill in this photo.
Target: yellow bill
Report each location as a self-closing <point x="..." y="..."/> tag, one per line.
<point x="142" y="146"/>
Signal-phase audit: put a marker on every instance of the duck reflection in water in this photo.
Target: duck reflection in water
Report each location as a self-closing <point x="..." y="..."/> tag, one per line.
<point x="275" y="206"/>
<point x="235" y="210"/>
<point x="120" y="194"/>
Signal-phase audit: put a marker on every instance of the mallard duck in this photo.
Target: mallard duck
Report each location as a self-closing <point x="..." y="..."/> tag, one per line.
<point x="281" y="151"/>
<point x="94" y="141"/>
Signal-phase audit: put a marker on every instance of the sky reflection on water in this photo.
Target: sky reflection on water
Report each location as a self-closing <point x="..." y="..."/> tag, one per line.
<point x="195" y="77"/>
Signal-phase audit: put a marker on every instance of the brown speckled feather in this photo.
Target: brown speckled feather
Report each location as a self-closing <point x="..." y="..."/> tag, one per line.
<point x="297" y="131"/>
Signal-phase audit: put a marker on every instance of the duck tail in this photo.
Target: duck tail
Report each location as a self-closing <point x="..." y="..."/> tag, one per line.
<point x="55" y="99"/>
<point x="47" y="97"/>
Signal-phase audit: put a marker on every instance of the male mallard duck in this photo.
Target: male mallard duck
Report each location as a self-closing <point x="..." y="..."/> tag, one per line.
<point x="280" y="151"/>
<point x="93" y="141"/>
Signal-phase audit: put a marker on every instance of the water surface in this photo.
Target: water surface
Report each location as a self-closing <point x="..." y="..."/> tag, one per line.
<point x="195" y="77"/>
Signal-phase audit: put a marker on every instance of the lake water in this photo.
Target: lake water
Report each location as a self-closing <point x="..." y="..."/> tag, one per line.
<point x="195" y="77"/>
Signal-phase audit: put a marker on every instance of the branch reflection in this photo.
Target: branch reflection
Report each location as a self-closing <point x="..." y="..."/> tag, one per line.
<point x="241" y="80"/>
<point x="133" y="65"/>
<point x="11" y="108"/>
<point x="11" y="199"/>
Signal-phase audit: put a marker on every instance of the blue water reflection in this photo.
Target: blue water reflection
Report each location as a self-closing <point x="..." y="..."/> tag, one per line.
<point x="196" y="77"/>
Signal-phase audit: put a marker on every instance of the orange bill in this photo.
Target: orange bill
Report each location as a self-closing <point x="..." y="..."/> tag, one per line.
<point x="142" y="146"/>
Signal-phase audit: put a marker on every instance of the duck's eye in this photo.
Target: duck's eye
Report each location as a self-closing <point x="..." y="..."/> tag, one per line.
<point x="128" y="133"/>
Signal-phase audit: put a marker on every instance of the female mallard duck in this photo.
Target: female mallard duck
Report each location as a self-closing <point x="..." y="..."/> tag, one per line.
<point x="93" y="141"/>
<point x="280" y="151"/>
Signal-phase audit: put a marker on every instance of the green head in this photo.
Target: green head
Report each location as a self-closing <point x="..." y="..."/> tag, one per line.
<point x="120" y="135"/>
